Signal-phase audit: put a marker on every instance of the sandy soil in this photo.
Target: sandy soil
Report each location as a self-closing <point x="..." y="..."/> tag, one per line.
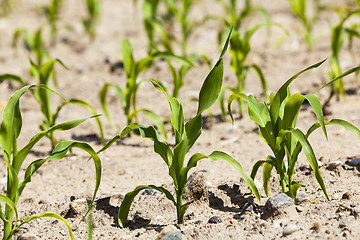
<point x="132" y="161"/>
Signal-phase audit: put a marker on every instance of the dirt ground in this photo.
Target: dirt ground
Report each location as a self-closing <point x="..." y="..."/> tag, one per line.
<point x="132" y="161"/>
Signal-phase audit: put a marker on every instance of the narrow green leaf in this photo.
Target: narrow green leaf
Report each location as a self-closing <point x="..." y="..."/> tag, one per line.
<point x="217" y="155"/>
<point x="129" y="198"/>
<point x="266" y="176"/>
<point x="311" y="158"/>
<point x="232" y="98"/>
<point x="315" y="104"/>
<point x="46" y="214"/>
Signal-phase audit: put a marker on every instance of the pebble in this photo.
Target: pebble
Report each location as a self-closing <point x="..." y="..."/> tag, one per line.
<point x="165" y="231"/>
<point x="299" y="209"/>
<point x="278" y="201"/>
<point x="289" y="229"/>
<point x="346" y="195"/>
<point x="355" y="162"/>
<point x="197" y="222"/>
<point x="27" y="236"/>
<point x="215" y="219"/>
<point x="343" y="223"/>
<point x="173" y="235"/>
<point x="301" y="197"/>
<point x="316" y="226"/>
<point x="149" y="191"/>
<point x="334" y="164"/>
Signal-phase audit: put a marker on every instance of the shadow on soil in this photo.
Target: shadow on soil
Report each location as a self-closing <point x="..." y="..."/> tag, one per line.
<point x="240" y="202"/>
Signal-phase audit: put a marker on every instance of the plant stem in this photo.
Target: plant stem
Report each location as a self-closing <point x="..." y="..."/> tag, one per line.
<point x="179" y="212"/>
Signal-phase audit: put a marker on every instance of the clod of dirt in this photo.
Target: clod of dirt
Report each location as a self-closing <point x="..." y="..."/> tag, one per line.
<point x="334" y="164"/>
<point x="196" y="188"/>
<point x="27" y="236"/>
<point x="77" y="207"/>
<point x="165" y="231"/>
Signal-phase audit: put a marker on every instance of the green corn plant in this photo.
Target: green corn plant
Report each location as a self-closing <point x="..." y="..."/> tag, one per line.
<point x="337" y="39"/>
<point x="179" y="74"/>
<point x="186" y="135"/>
<point x="235" y="17"/>
<point x="299" y="8"/>
<point x="239" y="49"/>
<point x="181" y="10"/>
<point x="5" y="7"/>
<point x="43" y="97"/>
<point x="128" y="94"/>
<point x="89" y="23"/>
<point x="52" y="15"/>
<point x="277" y="127"/>
<point x="9" y="133"/>
<point x="34" y="44"/>
<point x="154" y="27"/>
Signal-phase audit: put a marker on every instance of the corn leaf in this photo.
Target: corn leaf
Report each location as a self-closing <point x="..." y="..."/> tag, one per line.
<point x="46" y="214"/>
<point x="311" y="158"/>
<point x="212" y="85"/>
<point x="12" y="206"/>
<point x="266" y="176"/>
<point x="217" y="155"/>
<point x="129" y="198"/>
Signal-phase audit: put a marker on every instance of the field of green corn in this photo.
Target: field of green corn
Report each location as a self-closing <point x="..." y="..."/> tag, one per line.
<point x="119" y="118"/>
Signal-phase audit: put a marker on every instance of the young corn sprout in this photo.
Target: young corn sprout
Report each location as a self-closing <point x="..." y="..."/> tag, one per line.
<point x="277" y="127"/>
<point x="52" y="14"/>
<point x="181" y="9"/>
<point x="89" y="23"/>
<point x="239" y="49"/>
<point x="186" y="135"/>
<point x="337" y="39"/>
<point x="43" y="97"/>
<point x="300" y="9"/>
<point x="128" y="95"/>
<point x="9" y="132"/>
<point x="235" y="16"/>
<point x="153" y="24"/>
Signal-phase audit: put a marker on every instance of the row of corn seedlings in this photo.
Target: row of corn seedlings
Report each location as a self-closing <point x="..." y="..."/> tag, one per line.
<point x="276" y="119"/>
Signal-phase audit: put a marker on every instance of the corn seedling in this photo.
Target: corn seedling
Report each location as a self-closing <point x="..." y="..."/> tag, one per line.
<point x="235" y="17"/>
<point x="277" y="127"/>
<point x="34" y="44"/>
<point x="337" y="39"/>
<point x="179" y="74"/>
<point x="154" y="28"/>
<point x="5" y="7"/>
<point x="186" y="135"/>
<point x="89" y="23"/>
<point x="239" y="49"/>
<point x="43" y="97"/>
<point x="128" y="95"/>
<point x="9" y="132"/>
<point x="300" y="8"/>
<point x="181" y="10"/>
<point x="52" y="14"/>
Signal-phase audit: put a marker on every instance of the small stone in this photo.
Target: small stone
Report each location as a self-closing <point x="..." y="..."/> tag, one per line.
<point x="301" y="197"/>
<point x="334" y="164"/>
<point x="149" y="191"/>
<point x="346" y="195"/>
<point x="165" y="231"/>
<point x="197" y="222"/>
<point x="173" y="235"/>
<point x="289" y="229"/>
<point x="355" y="162"/>
<point x="278" y="201"/>
<point x="248" y="207"/>
<point x="343" y="223"/>
<point x="327" y="231"/>
<point x="215" y="219"/>
<point x="78" y="207"/>
<point x="27" y="236"/>
<point x="299" y="209"/>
